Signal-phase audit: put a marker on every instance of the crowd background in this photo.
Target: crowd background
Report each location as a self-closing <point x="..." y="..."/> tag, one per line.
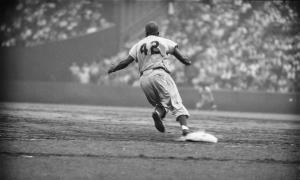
<point x="239" y="45"/>
<point x="234" y="45"/>
<point x="35" y="22"/>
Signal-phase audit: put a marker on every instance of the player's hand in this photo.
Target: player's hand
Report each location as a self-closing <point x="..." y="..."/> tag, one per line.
<point x="188" y="62"/>
<point x="111" y="70"/>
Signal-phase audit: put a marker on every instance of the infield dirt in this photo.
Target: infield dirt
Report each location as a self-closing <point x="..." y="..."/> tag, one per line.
<point x="50" y="141"/>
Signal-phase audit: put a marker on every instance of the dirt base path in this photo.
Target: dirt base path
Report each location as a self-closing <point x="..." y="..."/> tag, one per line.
<point x="49" y="141"/>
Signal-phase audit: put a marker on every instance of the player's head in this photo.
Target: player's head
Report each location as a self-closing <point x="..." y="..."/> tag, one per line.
<point x="151" y="28"/>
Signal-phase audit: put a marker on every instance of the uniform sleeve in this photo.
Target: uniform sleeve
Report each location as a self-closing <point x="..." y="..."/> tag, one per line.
<point x="133" y="52"/>
<point x="171" y="45"/>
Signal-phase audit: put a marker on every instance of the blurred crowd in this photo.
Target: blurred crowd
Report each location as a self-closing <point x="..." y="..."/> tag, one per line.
<point x="239" y="45"/>
<point x="96" y="72"/>
<point x="234" y="45"/>
<point x="33" y="22"/>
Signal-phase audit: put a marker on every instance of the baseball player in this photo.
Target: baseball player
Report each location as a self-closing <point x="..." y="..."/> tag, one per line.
<point x="207" y="100"/>
<point x="158" y="86"/>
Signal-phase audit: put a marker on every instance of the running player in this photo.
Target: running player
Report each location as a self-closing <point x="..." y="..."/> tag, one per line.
<point x="158" y="86"/>
<point x="207" y="100"/>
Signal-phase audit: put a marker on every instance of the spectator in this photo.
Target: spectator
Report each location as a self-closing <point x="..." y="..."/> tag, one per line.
<point x="236" y="45"/>
<point x="35" y="22"/>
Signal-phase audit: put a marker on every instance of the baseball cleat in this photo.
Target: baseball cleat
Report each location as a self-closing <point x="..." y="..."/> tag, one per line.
<point x="185" y="132"/>
<point x="158" y="122"/>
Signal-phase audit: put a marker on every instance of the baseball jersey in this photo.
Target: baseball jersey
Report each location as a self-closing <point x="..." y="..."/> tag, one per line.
<point x="151" y="52"/>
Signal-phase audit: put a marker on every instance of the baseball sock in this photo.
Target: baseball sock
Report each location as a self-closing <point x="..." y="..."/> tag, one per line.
<point x="182" y="119"/>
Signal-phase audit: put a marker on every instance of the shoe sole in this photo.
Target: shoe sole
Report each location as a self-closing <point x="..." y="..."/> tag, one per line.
<point x="158" y="123"/>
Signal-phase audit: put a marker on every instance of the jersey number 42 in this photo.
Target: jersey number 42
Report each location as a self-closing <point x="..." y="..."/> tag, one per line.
<point x="153" y="48"/>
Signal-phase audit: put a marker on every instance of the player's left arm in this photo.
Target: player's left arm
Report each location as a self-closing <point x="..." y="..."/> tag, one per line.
<point x="174" y="50"/>
<point x="182" y="58"/>
<point x="123" y="64"/>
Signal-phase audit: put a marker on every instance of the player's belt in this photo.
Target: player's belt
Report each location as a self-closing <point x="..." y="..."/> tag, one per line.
<point x="141" y="73"/>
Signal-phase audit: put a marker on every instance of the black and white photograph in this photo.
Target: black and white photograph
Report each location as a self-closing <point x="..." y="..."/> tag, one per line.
<point x="150" y="90"/>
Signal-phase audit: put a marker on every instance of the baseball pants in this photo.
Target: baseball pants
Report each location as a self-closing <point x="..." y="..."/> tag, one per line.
<point x="160" y="89"/>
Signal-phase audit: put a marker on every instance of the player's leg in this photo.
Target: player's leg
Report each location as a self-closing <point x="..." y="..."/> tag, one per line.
<point x="170" y="99"/>
<point x="182" y="119"/>
<point x="211" y="98"/>
<point x="153" y="98"/>
<point x="158" y="115"/>
<point x="200" y="103"/>
<point x="160" y="110"/>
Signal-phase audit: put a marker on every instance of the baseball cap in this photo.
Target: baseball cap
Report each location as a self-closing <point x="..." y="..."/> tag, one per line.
<point x="151" y="28"/>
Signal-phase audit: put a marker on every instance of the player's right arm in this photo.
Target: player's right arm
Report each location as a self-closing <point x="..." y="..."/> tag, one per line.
<point x="123" y="64"/>
<point x="184" y="59"/>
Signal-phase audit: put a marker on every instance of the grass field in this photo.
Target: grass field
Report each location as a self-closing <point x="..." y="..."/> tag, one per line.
<point x="50" y="141"/>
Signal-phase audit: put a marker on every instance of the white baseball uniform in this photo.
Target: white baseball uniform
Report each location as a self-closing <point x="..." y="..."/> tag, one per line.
<point x="160" y="89"/>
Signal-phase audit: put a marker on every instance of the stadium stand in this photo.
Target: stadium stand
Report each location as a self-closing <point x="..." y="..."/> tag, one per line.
<point x="34" y="22"/>
<point x="234" y="45"/>
<point x="240" y="45"/>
